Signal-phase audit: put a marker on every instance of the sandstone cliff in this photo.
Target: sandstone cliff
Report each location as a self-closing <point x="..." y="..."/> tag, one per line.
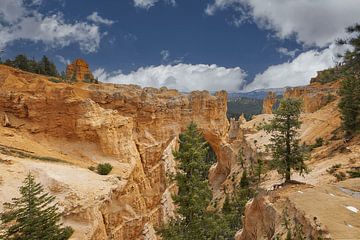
<point x="79" y="71"/>
<point x="133" y="128"/>
<point x="321" y="207"/>
<point x="314" y="96"/>
<point x="269" y="102"/>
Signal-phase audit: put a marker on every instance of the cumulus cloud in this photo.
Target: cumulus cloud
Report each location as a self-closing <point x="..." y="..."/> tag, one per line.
<point x="299" y="71"/>
<point x="98" y="19"/>
<point x="184" y="77"/>
<point x="287" y="52"/>
<point x="63" y="60"/>
<point x="20" y="22"/>
<point x="312" y="22"/>
<point x="146" y="4"/>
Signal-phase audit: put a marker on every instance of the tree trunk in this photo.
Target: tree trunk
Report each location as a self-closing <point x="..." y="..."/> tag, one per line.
<point x="288" y="174"/>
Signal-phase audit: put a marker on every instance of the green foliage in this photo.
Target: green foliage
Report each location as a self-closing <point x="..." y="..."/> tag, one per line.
<point x="352" y="57"/>
<point x="55" y="80"/>
<point x="104" y="168"/>
<point x="195" y="220"/>
<point x="340" y="176"/>
<point x="243" y="105"/>
<point x="44" y="66"/>
<point x="287" y="154"/>
<point x="354" y="172"/>
<point x="349" y="105"/>
<point x="32" y="216"/>
<point x="244" y="181"/>
<point x="240" y="158"/>
<point x="333" y="168"/>
<point x="318" y="143"/>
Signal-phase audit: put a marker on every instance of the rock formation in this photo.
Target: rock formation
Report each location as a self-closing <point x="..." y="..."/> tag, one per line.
<point x="136" y="129"/>
<point x="79" y="71"/>
<point x="269" y="102"/>
<point x="314" y="96"/>
<point x="133" y="128"/>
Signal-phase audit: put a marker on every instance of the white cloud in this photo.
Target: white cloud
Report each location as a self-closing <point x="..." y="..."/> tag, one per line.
<point x="63" y="60"/>
<point x="20" y="22"/>
<point x="297" y="72"/>
<point x="287" y="52"/>
<point x="96" y="18"/>
<point x="165" y="55"/>
<point x="184" y="77"/>
<point x="144" y="3"/>
<point x="150" y="3"/>
<point x="312" y="22"/>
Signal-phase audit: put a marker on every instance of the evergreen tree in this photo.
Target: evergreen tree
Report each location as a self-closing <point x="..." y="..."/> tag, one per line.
<point x="194" y="194"/>
<point x="286" y="151"/>
<point x="349" y="105"/>
<point x="32" y="216"/>
<point x="194" y="221"/>
<point x="351" y="59"/>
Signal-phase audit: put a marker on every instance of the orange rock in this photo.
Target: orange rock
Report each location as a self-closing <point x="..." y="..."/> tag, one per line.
<point x="269" y="102"/>
<point x="79" y="71"/>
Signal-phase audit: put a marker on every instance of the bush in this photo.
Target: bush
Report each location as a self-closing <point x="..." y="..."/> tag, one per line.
<point x="354" y="172"/>
<point x="333" y="168"/>
<point x="340" y="176"/>
<point x="104" y="168"/>
<point x="55" y="80"/>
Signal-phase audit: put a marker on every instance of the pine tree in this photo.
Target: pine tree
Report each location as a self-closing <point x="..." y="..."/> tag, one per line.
<point x="351" y="59"/>
<point x="32" y="216"/>
<point x="194" y="194"/>
<point x="349" y="105"/>
<point x="286" y="151"/>
<point x="194" y="220"/>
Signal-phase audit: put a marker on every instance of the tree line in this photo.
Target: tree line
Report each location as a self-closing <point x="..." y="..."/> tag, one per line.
<point x="44" y="66"/>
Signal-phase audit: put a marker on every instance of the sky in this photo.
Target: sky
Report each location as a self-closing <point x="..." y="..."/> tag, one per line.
<point x="184" y="44"/>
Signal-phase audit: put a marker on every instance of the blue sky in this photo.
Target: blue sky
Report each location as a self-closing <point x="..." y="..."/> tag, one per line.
<point x="183" y="44"/>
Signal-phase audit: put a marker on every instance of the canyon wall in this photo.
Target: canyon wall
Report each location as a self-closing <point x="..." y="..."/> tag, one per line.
<point x="314" y="96"/>
<point x="133" y="127"/>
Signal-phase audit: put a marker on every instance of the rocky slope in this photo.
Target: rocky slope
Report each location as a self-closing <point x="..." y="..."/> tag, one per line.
<point x="325" y="206"/>
<point x="57" y="130"/>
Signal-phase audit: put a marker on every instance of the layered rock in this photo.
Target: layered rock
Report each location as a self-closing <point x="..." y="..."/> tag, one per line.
<point x="314" y="212"/>
<point x="133" y="129"/>
<point x="314" y="96"/>
<point x="269" y="102"/>
<point x="79" y="71"/>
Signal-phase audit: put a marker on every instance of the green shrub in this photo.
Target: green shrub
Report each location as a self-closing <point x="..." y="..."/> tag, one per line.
<point x="333" y="168"/>
<point x="55" y="80"/>
<point x="340" y="176"/>
<point x="104" y="168"/>
<point x="354" y="172"/>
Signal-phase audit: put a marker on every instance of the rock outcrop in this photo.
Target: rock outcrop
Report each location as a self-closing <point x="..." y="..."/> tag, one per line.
<point x="128" y="126"/>
<point x="314" y="96"/>
<point x="79" y="71"/>
<point x="312" y="212"/>
<point x="269" y="102"/>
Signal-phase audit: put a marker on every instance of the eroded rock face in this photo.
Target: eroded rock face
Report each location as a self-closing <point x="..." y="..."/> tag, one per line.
<point x="79" y="71"/>
<point x="269" y="102"/>
<point x="134" y="127"/>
